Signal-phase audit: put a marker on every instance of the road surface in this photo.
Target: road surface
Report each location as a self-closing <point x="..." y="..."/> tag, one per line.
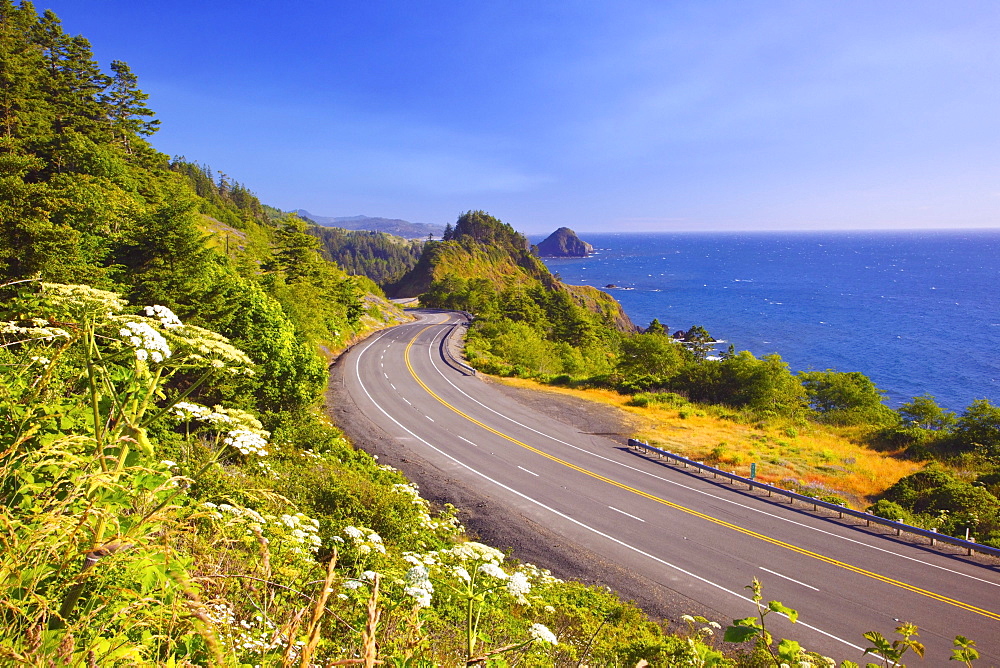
<point x="696" y="538"/>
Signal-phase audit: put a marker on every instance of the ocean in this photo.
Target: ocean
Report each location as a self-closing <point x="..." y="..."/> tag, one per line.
<point x="917" y="311"/>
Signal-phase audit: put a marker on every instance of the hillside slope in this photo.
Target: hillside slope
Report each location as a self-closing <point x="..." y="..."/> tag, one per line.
<point x="483" y="258"/>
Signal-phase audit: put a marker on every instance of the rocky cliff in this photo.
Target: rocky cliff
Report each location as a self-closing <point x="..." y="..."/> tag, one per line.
<point x="564" y="243"/>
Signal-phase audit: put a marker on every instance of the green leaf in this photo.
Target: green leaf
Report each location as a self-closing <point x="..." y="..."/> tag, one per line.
<point x="789" y="650"/>
<point x="778" y="606"/>
<point x="740" y="633"/>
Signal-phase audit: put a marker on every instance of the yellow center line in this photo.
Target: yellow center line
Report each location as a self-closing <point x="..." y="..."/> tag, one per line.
<point x="695" y="513"/>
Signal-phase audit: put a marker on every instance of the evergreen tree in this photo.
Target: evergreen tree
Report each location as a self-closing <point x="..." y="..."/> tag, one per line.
<point x="21" y="105"/>
<point x="126" y="106"/>
<point x="73" y="80"/>
<point x="655" y="327"/>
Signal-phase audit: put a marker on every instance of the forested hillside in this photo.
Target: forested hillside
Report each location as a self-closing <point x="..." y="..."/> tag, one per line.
<point x="383" y="258"/>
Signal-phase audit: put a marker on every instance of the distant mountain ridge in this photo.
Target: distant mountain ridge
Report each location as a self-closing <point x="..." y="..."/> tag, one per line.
<point x="401" y="228"/>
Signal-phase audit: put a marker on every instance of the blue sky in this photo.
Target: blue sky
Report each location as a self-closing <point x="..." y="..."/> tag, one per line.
<point x="641" y="116"/>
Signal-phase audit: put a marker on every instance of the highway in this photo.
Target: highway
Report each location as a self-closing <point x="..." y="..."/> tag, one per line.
<point x="694" y="536"/>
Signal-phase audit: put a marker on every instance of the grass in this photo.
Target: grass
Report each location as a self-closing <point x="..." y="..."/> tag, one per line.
<point x="828" y="460"/>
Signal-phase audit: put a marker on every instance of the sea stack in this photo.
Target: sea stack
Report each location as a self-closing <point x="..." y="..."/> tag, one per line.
<point x="564" y="243"/>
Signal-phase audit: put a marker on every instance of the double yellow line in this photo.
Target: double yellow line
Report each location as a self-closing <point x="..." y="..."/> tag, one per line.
<point x="691" y="511"/>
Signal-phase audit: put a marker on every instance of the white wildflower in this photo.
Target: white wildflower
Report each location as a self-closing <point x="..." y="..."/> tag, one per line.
<point x="518" y="585"/>
<point x="147" y="341"/>
<point x="79" y="301"/>
<point x="186" y="410"/>
<point x="165" y="315"/>
<point x="473" y="551"/>
<point x="493" y="571"/>
<point x="247" y="442"/>
<point x="541" y="633"/>
<point x="38" y="331"/>
<point x="418" y="586"/>
<point x="461" y="573"/>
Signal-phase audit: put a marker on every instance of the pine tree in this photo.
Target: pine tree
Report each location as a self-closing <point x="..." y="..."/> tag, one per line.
<point x="126" y="106"/>
<point x="21" y="106"/>
<point x="72" y="80"/>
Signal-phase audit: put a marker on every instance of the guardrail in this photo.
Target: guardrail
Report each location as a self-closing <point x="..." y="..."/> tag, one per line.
<point x="935" y="538"/>
<point x="446" y="345"/>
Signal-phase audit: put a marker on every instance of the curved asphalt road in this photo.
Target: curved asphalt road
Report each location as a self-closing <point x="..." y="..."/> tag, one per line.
<point x="701" y="539"/>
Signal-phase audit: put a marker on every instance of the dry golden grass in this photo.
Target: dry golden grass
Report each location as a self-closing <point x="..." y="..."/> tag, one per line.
<point x="807" y="455"/>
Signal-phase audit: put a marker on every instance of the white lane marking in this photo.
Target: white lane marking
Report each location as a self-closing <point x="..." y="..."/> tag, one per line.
<point x="357" y="372"/>
<point x="626" y="514"/>
<point x="527" y="471"/>
<point x="385" y="374"/>
<point x="429" y="418"/>
<point x="709" y="494"/>
<point x="768" y="570"/>
<point x="468" y="441"/>
<point x="392" y="386"/>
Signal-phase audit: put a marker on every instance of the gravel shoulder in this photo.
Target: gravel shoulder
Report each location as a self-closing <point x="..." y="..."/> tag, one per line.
<point x="493" y="522"/>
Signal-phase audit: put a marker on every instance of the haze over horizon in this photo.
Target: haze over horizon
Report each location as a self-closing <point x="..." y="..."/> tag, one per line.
<point x="641" y="116"/>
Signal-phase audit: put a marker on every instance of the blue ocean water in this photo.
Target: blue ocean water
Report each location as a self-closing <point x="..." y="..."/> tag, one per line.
<point x="917" y="312"/>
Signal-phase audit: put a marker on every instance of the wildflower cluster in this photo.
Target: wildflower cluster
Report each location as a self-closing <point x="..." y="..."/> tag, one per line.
<point x="296" y="535"/>
<point x="250" y="638"/>
<point x="203" y="347"/>
<point x="447" y="524"/>
<point x="33" y="329"/>
<point x="418" y="586"/>
<point x="247" y="434"/>
<point x="235" y="515"/>
<point x="542" y="633"/>
<point x="363" y="541"/>
<point x="80" y="302"/>
<point x="148" y="343"/>
<point x="247" y="442"/>
<point x="166" y="317"/>
<point x="302" y="537"/>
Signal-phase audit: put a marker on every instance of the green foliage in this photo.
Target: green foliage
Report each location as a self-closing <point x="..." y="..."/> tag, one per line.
<point x="655" y="327"/>
<point x="382" y="257"/>
<point x="935" y="498"/>
<point x="846" y="398"/>
<point x="891" y="653"/>
<point x="924" y="412"/>
<point x="755" y="628"/>
<point x="762" y="385"/>
<point x="651" y="355"/>
<point x="964" y="650"/>
<point x="979" y="428"/>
